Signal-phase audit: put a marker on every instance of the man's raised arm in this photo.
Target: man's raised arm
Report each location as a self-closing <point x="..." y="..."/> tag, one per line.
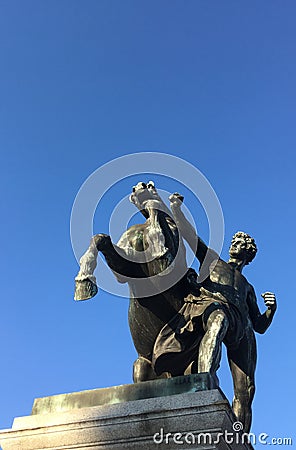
<point x="196" y="244"/>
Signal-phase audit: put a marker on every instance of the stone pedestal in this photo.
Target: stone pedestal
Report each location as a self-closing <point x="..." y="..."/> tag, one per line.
<point x="186" y="412"/>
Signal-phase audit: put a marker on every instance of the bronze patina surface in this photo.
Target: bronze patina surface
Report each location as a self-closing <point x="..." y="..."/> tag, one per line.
<point x="124" y="393"/>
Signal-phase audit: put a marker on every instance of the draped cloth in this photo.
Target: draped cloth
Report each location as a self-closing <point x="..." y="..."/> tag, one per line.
<point x="177" y="344"/>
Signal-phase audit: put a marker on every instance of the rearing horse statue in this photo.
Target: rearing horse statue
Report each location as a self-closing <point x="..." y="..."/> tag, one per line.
<point x="151" y="258"/>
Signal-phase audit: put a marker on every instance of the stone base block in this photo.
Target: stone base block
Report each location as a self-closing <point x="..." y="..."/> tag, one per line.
<point x="186" y="414"/>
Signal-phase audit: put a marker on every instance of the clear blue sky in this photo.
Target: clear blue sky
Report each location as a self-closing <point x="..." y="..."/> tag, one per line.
<point x="82" y="83"/>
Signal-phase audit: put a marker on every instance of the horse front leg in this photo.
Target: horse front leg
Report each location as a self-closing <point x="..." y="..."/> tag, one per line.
<point x="86" y="286"/>
<point x="85" y="281"/>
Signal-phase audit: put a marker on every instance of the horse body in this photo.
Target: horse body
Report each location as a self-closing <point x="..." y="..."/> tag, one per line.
<point x="152" y="253"/>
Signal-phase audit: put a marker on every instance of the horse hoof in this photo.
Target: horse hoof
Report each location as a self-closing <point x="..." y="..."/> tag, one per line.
<point x="85" y="289"/>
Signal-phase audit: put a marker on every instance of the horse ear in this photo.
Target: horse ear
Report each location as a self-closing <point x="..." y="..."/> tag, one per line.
<point x="150" y="184"/>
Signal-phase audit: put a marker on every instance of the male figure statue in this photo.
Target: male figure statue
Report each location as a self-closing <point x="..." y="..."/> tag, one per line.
<point x="223" y="308"/>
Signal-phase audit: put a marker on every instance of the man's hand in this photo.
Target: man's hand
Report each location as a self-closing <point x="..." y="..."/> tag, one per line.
<point x="176" y="200"/>
<point x="269" y="300"/>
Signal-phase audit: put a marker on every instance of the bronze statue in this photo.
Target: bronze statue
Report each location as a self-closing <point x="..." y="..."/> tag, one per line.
<point x="223" y="308"/>
<point x="179" y="327"/>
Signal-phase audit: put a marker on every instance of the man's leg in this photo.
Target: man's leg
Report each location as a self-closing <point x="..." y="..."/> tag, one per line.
<point x="209" y="355"/>
<point x="242" y="362"/>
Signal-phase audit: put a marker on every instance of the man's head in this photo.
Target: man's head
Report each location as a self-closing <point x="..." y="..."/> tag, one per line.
<point x="243" y="247"/>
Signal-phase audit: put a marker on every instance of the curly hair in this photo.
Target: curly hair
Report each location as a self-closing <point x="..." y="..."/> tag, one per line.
<point x="251" y="247"/>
